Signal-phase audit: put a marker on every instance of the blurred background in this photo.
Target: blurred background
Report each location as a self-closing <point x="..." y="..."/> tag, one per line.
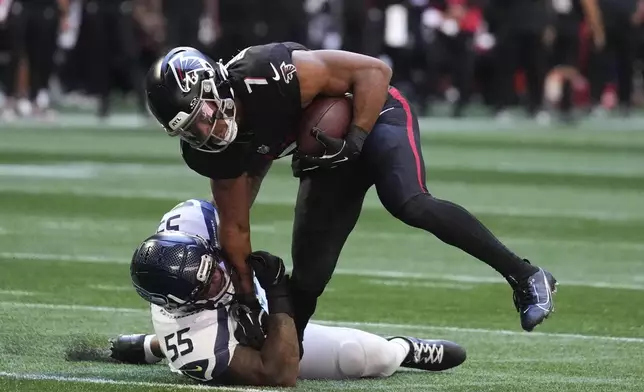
<point x="531" y="120"/>
<point x="547" y="60"/>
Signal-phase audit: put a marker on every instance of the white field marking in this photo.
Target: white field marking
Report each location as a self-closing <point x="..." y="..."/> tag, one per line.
<point x="542" y="242"/>
<point x="47" y="171"/>
<point x="103" y="287"/>
<point x="96" y="380"/>
<point x="289" y="200"/>
<point x="59" y="257"/>
<point x="19" y="293"/>
<point x="476" y="279"/>
<point x="93" y="169"/>
<point x="75" y="308"/>
<point x="428" y="125"/>
<point x="472" y="279"/>
<point x="387" y="326"/>
<point x="417" y="283"/>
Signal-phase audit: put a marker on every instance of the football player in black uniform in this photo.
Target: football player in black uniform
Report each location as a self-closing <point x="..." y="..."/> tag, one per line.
<point x="233" y="119"/>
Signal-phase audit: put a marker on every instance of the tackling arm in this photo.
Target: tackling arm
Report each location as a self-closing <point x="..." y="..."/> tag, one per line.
<point x="232" y="198"/>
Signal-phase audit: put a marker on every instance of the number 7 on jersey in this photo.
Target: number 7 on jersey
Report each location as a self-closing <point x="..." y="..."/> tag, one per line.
<point x="254" y="81"/>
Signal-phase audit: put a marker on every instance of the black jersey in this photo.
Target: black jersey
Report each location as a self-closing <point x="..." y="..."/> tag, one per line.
<point x="265" y="82"/>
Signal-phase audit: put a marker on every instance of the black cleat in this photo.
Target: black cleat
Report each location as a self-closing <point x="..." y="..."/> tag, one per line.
<point x="128" y="349"/>
<point x="432" y="355"/>
<point x="533" y="298"/>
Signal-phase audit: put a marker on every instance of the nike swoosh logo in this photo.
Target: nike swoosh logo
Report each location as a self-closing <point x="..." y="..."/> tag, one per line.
<point x="385" y="111"/>
<point x="197" y="369"/>
<point x="277" y="75"/>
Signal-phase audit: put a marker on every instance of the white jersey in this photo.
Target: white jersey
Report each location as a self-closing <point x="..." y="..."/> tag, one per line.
<point x="198" y="344"/>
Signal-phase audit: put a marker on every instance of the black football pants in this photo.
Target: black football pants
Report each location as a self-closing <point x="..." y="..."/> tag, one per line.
<point x="112" y="45"/>
<point x="620" y="53"/>
<point x="32" y="32"/>
<point x="329" y="203"/>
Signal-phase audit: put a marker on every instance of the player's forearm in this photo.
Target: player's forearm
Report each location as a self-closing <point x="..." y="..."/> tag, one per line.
<point x="370" y="89"/>
<point x="231" y="198"/>
<point x="280" y="353"/>
<point x="235" y="241"/>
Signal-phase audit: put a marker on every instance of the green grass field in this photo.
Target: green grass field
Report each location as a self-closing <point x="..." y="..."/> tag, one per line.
<point x="75" y="202"/>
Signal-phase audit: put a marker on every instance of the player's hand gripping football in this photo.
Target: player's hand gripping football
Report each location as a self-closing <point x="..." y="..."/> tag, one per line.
<point x="271" y="274"/>
<point x="336" y="151"/>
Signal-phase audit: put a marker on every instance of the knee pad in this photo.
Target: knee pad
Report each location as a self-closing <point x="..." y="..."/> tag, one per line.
<point x="352" y="359"/>
<point x="367" y="359"/>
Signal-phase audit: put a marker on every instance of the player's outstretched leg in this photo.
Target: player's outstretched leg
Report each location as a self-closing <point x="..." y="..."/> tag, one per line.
<point x="432" y="355"/>
<point x="393" y="154"/>
<point x="533" y="286"/>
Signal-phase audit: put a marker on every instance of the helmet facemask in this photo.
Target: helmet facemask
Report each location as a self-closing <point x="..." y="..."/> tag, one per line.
<point x="211" y="126"/>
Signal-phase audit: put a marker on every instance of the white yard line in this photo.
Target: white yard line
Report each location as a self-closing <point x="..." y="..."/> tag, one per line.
<point x="340" y="271"/>
<point x="288" y="199"/>
<point x="96" y="380"/>
<point x="477" y="279"/>
<point x="385" y="326"/>
<point x="19" y="293"/>
<point x="103" y="287"/>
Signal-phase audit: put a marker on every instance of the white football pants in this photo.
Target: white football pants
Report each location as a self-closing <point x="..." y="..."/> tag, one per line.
<point x="334" y="353"/>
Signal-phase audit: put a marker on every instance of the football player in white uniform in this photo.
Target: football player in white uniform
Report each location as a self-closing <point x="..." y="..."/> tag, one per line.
<point x="199" y="328"/>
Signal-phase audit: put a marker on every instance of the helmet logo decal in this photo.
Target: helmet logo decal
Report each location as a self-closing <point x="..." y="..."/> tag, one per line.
<point x="186" y="68"/>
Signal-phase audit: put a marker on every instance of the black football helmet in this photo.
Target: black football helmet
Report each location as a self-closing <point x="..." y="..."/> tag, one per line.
<point x="174" y="269"/>
<point x="190" y="95"/>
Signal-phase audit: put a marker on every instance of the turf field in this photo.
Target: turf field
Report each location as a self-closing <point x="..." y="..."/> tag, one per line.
<point x="75" y="202"/>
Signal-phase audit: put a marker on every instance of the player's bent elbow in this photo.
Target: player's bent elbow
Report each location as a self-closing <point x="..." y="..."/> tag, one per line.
<point x="386" y="70"/>
<point x="283" y="379"/>
<point x="285" y="375"/>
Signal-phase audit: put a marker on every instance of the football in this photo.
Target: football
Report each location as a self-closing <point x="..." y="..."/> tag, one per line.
<point x="332" y="115"/>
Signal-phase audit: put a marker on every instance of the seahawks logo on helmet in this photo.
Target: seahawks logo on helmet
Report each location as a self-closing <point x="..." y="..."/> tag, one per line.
<point x="186" y="69"/>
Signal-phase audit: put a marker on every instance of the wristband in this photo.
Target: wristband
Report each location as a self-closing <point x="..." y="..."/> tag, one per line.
<point x="279" y="298"/>
<point x="356" y="137"/>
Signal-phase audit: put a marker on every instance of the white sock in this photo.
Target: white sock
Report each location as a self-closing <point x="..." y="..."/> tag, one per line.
<point x="401" y="347"/>
<point x="147" y="349"/>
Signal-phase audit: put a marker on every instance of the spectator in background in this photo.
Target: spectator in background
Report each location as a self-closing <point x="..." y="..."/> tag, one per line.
<point x="240" y="24"/>
<point x="568" y="16"/>
<point x="150" y="23"/>
<point x="184" y="20"/>
<point x="520" y="30"/>
<point x="457" y="21"/>
<point x="112" y="46"/>
<point x="621" y="18"/>
<point x="33" y="27"/>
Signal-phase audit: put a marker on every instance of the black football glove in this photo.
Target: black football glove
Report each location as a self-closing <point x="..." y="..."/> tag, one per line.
<point x="336" y="151"/>
<point x="250" y="321"/>
<point x="271" y="274"/>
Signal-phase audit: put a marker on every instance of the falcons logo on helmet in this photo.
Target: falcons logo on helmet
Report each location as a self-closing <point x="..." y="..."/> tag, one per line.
<point x="186" y="68"/>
